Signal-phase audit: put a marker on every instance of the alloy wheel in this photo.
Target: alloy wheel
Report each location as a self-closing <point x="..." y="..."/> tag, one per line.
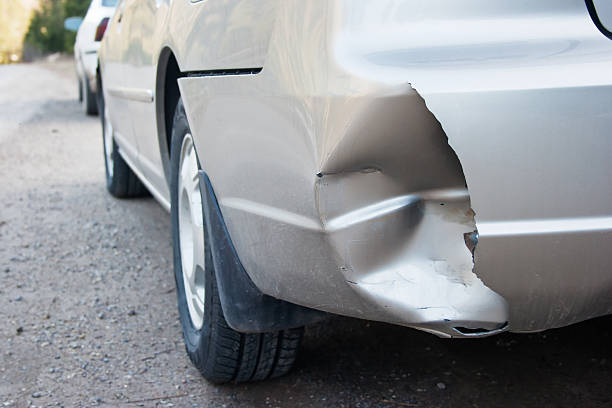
<point x="191" y="231"/>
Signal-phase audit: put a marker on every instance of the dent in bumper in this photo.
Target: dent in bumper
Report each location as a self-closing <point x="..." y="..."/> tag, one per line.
<point x="408" y="256"/>
<point x="393" y="205"/>
<point x="390" y="210"/>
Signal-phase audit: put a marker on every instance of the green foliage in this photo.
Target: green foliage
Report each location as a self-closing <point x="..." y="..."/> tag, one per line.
<point x="46" y="31"/>
<point x="75" y="8"/>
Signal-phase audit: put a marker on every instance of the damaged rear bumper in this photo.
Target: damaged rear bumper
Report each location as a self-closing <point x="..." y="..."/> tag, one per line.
<point x="380" y="227"/>
<point x="364" y="167"/>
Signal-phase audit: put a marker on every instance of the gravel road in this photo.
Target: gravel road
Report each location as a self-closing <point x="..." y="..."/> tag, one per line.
<point x="89" y="313"/>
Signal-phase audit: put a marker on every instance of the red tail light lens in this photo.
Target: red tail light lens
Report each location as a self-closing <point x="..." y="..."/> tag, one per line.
<point x="101" y="29"/>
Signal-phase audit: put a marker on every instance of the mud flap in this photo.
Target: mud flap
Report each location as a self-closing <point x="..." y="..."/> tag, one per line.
<point x="245" y="307"/>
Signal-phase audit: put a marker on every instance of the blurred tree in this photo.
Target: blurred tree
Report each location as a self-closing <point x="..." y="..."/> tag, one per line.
<point x="14" y="18"/>
<point x="46" y="31"/>
<point x="75" y="8"/>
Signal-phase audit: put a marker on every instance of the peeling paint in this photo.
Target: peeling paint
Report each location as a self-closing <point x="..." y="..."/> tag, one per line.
<point x="407" y="253"/>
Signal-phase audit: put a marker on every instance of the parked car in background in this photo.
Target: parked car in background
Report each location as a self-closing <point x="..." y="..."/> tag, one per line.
<point x="439" y="165"/>
<point x="86" y="46"/>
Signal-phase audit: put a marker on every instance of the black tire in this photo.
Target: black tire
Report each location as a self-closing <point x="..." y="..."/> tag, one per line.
<point x="88" y="101"/>
<point x="220" y="353"/>
<point x="80" y="87"/>
<point x="121" y="181"/>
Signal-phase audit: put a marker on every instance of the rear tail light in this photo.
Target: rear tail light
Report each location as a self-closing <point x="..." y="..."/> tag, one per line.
<point x="101" y="29"/>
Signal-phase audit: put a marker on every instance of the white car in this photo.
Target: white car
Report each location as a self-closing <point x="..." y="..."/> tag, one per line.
<point x="86" y="47"/>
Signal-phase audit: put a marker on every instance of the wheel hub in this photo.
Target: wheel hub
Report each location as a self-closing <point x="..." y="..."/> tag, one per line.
<point x="191" y="231"/>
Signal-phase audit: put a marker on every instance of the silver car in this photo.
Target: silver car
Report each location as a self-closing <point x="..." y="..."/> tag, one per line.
<point x="442" y="165"/>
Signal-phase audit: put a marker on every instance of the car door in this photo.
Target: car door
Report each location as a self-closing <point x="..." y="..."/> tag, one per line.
<point x="146" y="23"/>
<point x="116" y="93"/>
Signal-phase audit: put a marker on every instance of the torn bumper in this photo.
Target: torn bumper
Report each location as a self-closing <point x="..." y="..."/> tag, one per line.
<point x="523" y="94"/>
<point x="376" y="225"/>
<point x="343" y="192"/>
<point x="408" y="256"/>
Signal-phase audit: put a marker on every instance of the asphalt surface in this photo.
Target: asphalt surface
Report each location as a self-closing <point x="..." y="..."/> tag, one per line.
<point x="88" y="306"/>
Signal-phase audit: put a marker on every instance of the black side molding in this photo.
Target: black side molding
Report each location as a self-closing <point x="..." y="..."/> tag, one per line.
<point x="245" y="307"/>
<point x="223" y="72"/>
<point x="596" y="20"/>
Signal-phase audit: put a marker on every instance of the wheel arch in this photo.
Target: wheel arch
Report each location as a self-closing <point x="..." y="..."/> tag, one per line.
<point x="167" y="95"/>
<point x="246" y="308"/>
<point x="99" y="93"/>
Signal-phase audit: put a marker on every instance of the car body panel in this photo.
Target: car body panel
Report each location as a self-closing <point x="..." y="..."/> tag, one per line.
<point x="142" y="18"/>
<point x="355" y="168"/>
<point x="114" y="49"/>
<point x="221" y="34"/>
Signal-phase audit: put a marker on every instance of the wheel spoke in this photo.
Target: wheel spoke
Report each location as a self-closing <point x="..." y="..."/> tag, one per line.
<point x="193" y="172"/>
<point x="189" y="271"/>
<point x="196" y="204"/>
<point x="186" y="172"/>
<point x="198" y="303"/>
<point x="198" y="253"/>
<point x="195" y="185"/>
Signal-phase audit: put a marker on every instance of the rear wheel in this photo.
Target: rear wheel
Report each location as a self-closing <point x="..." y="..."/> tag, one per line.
<point x="121" y="181"/>
<point x="80" y="87"/>
<point x="220" y="353"/>
<point x="88" y="99"/>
